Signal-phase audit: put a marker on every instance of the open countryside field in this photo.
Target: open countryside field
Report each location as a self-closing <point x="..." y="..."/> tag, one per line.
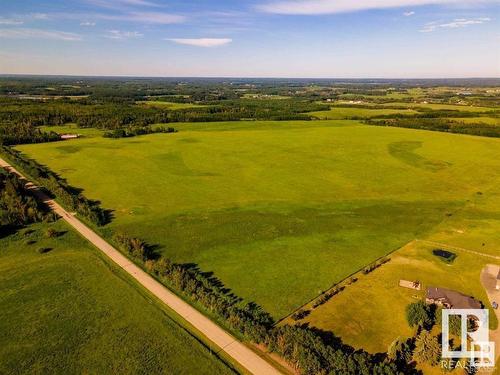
<point x="437" y="106"/>
<point x="70" y="311"/>
<point x="278" y="215"/>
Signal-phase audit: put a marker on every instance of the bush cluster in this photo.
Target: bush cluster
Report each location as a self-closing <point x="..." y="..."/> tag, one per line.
<point x="133" y="131"/>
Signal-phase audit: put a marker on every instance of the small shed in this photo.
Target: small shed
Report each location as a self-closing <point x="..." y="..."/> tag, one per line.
<point x="410" y="284"/>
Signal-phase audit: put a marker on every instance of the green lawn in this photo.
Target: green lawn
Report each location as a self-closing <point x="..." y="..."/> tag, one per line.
<point x="370" y="313"/>
<point x="280" y="210"/>
<point x="68" y="311"/>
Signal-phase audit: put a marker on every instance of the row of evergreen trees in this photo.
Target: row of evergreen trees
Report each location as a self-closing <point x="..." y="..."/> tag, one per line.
<point x="69" y="196"/>
<point x="19" y="133"/>
<point x="132" y="131"/>
<point x="441" y="125"/>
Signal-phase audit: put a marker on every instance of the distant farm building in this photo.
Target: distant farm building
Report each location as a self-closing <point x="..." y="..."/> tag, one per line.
<point x="450" y="299"/>
<point x="69" y="136"/>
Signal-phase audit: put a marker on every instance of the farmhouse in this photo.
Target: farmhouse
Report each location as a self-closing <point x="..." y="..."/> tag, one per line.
<point x="69" y="136"/>
<point x="450" y="299"/>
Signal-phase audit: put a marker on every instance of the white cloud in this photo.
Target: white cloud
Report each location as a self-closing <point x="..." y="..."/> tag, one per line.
<point x="314" y="7"/>
<point x="38" y="16"/>
<point x="20" y="19"/>
<point x="202" y="42"/>
<point x="38" y="34"/>
<point x="87" y="24"/>
<point x="456" y="23"/>
<point x="145" y="17"/>
<point x="408" y="14"/>
<point x="117" y="34"/>
<point x="10" y="21"/>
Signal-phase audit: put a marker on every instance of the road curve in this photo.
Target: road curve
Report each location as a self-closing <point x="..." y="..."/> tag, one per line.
<point x="247" y="358"/>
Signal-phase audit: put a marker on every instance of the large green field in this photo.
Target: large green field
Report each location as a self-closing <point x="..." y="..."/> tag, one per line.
<point x="280" y="210"/>
<point x="69" y="311"/>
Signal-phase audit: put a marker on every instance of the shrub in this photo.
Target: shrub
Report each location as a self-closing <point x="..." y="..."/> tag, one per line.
<point x="419" y="314"/>
<point x="300" y="314"/>
<point x="51" y="233"/>
<point x="427" y="348"/>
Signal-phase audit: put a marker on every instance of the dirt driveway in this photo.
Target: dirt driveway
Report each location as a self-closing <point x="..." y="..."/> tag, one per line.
<point x="489" y="279"/>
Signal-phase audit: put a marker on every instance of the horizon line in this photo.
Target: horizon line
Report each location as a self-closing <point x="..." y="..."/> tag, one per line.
<point x="245" y="77"/>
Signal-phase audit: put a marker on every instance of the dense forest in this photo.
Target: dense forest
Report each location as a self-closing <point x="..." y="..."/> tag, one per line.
<point x="105" y="115"/>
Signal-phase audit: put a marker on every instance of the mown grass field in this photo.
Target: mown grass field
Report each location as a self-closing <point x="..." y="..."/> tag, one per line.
<point x="68" y="311"/>
<point x="279" y="211"/>
<point x="370" y="313"/>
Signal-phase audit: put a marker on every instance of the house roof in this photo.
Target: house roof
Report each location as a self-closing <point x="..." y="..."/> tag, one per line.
<point x="455" y="299"/>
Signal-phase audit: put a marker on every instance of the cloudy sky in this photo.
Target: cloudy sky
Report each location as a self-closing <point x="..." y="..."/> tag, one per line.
<point x="252" y="38"/>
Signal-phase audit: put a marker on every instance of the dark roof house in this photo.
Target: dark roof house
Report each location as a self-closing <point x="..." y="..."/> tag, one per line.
<point x="451" y="299"/>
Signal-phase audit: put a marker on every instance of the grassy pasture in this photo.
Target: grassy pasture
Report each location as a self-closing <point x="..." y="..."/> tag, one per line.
<point x="69" y="311"/>
<point x="370" y="313"/>
<point x="415" y="106"/>
<point x="486" y="120"/>
<point x="279" y="215"/>
<point x="339" y="113"/>
<point x="453" y="107"/>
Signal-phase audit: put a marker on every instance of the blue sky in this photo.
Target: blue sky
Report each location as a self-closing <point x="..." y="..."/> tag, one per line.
<point x="252" y="38"/>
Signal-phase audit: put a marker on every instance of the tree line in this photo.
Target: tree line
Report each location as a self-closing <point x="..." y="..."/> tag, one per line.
<point x="21" y="133"/>
<point x="68" y="195"/>
<point x="18" y="206"/>
<point x="133" y="131"/>
<point x="441" y="125"/>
